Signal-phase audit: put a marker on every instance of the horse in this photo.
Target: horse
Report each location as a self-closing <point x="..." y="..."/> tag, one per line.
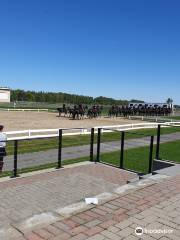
<point x="62" y="110"/>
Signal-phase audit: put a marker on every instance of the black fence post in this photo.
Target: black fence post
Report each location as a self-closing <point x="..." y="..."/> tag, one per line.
<point x="98" y="145"/>
<point x="151" y="155"/>
<point x="92" y="145"/>
<point x="122" y="150"/>
<point x="60" y="149"/>
<point x="15" y="159"/>
<point x="158" y="141"/>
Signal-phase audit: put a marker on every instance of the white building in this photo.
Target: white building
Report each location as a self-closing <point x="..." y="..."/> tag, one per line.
<point x="5" y="94"/>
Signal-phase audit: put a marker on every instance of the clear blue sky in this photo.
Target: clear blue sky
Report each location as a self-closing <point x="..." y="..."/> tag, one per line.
<point x="116" y="48"/>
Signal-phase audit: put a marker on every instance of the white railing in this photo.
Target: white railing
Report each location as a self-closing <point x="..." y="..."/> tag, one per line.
<point x="25" y="109"/>
<point x="153" y="118"/>
<point x="130" y="126"/>
<point x="40" y="133"/>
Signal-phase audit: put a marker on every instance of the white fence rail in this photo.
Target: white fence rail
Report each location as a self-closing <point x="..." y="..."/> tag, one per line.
<point x="24" y="109"/>
<point x="153" y="119"/>
<point x="40" y="133"/>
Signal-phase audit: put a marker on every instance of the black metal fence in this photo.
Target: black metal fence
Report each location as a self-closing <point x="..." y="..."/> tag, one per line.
<point x="138" y="152"/>
<point x="127" y="150"/>
<point x="108" y="146"/>
<point x="25" y="155"/>
<point x="168" y="143"/>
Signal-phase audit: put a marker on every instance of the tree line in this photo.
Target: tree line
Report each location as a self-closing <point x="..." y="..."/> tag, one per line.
<point x="60" y="97"/>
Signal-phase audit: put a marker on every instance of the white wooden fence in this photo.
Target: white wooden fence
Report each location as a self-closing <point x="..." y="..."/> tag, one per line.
<point x="40" y="133"/>
<point x="153" y="119"/>
<point x="24" y="109"/>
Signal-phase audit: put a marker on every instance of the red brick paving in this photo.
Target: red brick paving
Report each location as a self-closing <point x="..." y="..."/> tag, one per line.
<point x="128" y="205"/>
<point x="110" y="174"/>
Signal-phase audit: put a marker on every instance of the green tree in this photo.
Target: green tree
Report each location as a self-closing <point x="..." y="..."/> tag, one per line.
<point x="170" y="102"/>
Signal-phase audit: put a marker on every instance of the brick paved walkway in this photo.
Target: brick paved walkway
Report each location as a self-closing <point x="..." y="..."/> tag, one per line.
<point x="153" y="207"/>
<point x="26" y="198"/>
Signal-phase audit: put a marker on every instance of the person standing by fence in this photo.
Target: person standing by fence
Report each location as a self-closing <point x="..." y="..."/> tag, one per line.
<point x="3" y="139"/>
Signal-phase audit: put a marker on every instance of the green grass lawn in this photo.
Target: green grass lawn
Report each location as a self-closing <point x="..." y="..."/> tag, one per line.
<point x="137" y="159"/>
<point x="31" y="105"/>
<point x="36" y="145"/>
<point x="176" y="117"/>
<point x="169" y="117"/>
<point x="134" y="159"/>
<point x="170" y="151"/>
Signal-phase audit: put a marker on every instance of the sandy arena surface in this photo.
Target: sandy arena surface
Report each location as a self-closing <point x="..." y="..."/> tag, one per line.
<point x="45" y="120"/>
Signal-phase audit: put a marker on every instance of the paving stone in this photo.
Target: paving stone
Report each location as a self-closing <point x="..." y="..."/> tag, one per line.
<point x="77" y="230"/>
<point x="32" y="195"/>
<point x="97" y="237"/>
<point x="131" y="237"/>
<point x="110" y="235"/>
<point x="44" y="234"/>
<point x="93" y="223"/>
<point x="63" y="236"/>
<point x="94" y="230"/>
<point x="125" y="232"/>
<point x="113" y="229"/>
<point x="80" y="236"/>
<point x="106" y="222"/>
<point x="167" y="223"/>
<point x="141" y="223"/>
<point x="54" y="230"/>
<point x="33" y="236"/>
<point x="61" y="226"/>
<point x="124" y="224"/>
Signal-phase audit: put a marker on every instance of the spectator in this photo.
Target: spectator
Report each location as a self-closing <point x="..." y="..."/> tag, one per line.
<point x="3" y="139"/>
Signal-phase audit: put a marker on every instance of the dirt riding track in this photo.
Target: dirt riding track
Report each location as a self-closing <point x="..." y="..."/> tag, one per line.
<point x="45" y="120"/>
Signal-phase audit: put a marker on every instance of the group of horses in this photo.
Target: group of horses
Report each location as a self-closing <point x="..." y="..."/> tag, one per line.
<point x="80" y="111"/>
<point x="126" y="111"/>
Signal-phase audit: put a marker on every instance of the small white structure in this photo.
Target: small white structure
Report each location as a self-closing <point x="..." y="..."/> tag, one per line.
<point x="5" y="94"/>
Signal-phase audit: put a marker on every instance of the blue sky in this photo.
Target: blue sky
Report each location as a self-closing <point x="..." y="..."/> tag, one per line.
<point x="116" y="48"/>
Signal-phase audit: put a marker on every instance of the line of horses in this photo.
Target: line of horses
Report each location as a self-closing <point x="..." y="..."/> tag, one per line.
<point x="126" y="111"/>
<point x="81" y="111"/>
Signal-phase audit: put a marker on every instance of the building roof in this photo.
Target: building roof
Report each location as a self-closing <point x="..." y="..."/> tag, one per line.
<point x="5" y="88"/>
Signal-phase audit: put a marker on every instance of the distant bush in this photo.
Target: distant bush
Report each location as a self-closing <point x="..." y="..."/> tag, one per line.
<point x="50" y="97"/>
